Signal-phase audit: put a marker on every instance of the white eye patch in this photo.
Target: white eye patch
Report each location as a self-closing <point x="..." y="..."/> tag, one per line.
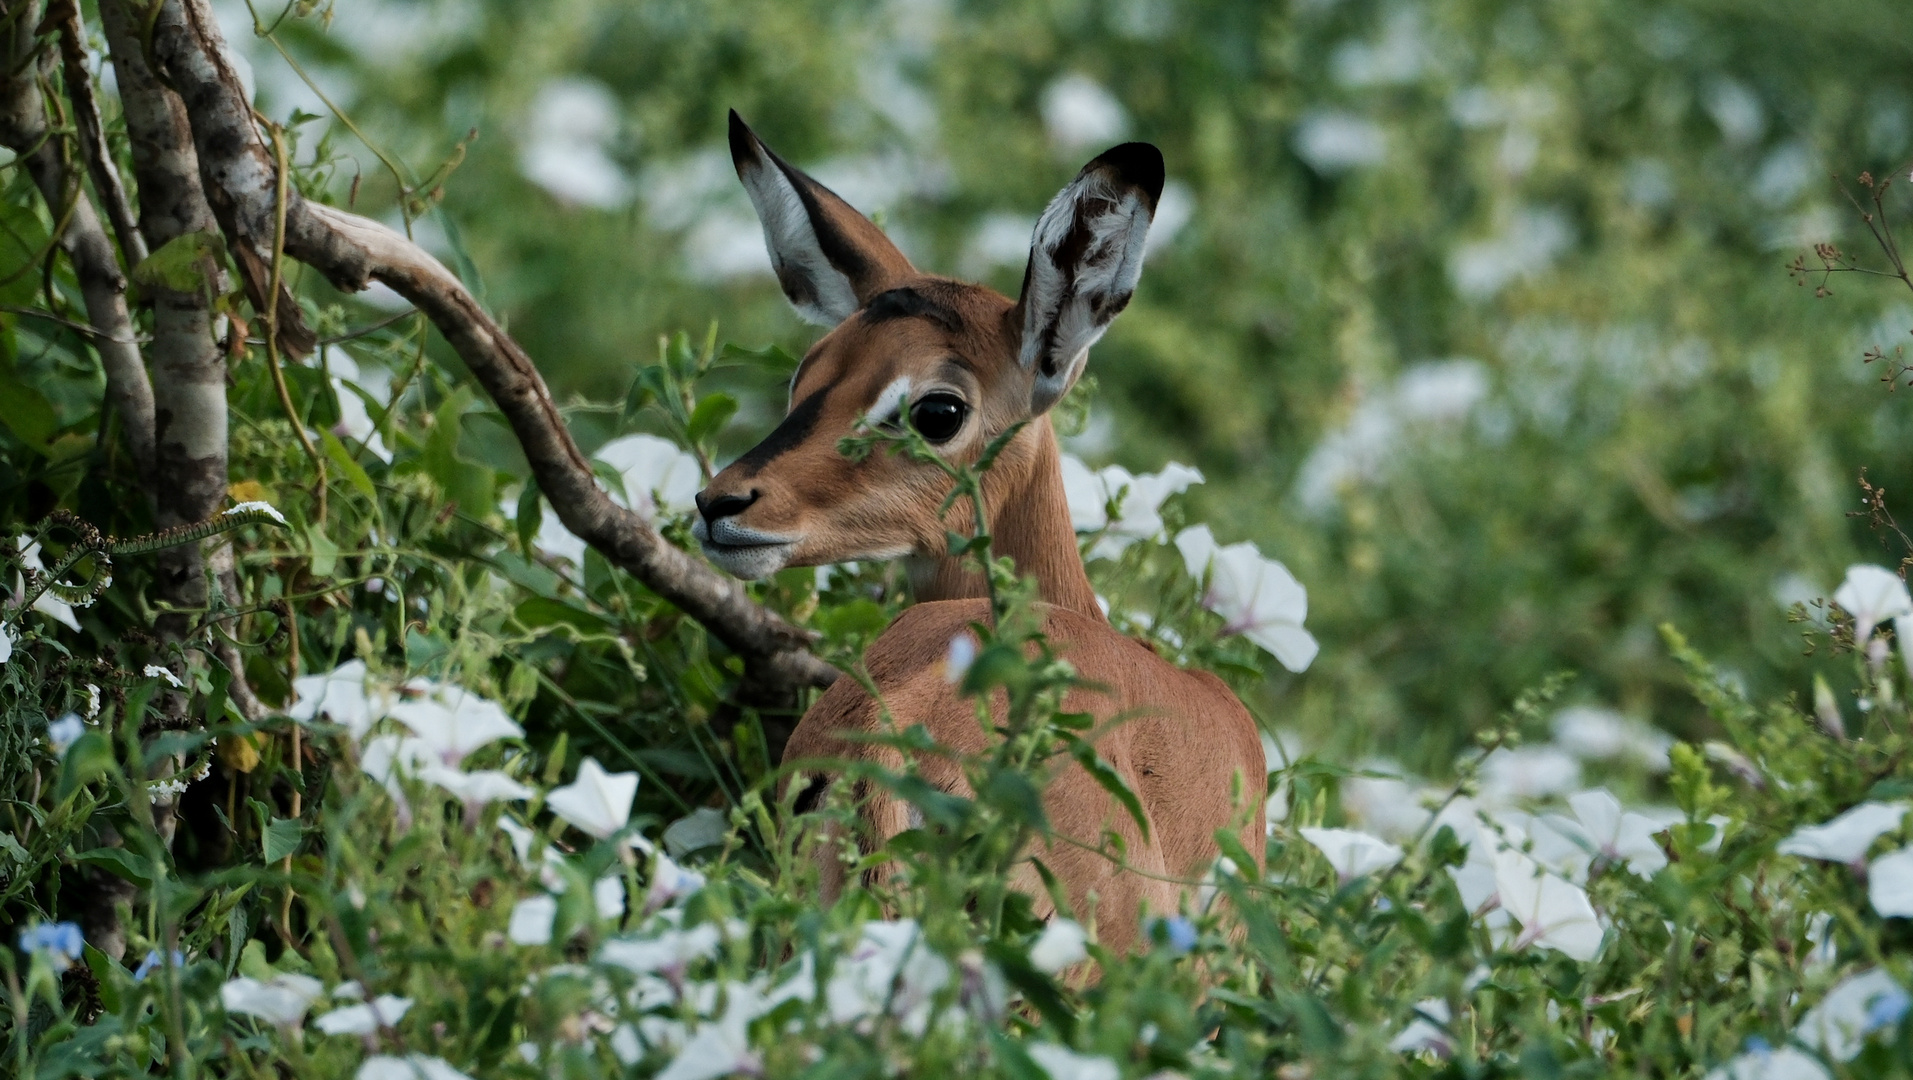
<point x="890" y="402"/>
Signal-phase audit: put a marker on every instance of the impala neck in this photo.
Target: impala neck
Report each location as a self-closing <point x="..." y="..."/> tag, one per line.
<point x="1029" y="521"/>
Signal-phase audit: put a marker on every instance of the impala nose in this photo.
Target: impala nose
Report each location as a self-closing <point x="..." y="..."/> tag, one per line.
<point x="723" y="506"/>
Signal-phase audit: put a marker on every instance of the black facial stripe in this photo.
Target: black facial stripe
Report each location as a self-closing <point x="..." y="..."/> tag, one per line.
<point x="788" y="435"/>
<point x="837" y="248"/>
<point x="905" y="303"/>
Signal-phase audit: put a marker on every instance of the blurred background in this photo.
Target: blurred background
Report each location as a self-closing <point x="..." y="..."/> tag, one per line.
<point x="1474" y="312"/>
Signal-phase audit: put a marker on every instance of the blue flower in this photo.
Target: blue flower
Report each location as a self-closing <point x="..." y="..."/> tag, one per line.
<point x="153" y="960"/>
<point x="1888" y="1009"/>
<point x="59" y="942"/>
<point x="1757" y="1045"/>
<point x="64" y="732"/>
<point x="1179" y="933"/>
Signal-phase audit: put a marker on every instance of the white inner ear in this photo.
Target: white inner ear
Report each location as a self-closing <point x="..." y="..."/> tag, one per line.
<point x="1068" y="307"/>
<point x="793" y="246"/>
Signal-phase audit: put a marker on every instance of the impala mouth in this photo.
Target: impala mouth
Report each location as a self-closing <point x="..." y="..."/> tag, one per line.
<point x="741" y="550"/>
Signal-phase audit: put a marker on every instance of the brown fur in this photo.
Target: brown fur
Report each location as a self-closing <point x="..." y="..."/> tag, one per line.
<point x="1180" y="739"/>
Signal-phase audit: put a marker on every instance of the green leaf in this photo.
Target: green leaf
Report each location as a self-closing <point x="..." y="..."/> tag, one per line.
<point x="1014" y="793"/>
<point x="89" y="758"/>
<point x="770" y="358"/>
<point x="181" y="264"/>
<point x="531" y="514"/>
<point x="341" y="457"/>
<point x="467" y="485"/>
<point x="710" y="416"/>
<point x="26" y="413"/>
<point x="119" y="862"/>
<point x="282" y="838"/>
<point x="325" y="553"/>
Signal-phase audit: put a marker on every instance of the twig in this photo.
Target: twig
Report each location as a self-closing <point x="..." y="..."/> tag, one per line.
<point x="272" y="315"/>
<point x="65" y="14"/>
<point x="77" y="327"/>
<point x="352" y="251"/>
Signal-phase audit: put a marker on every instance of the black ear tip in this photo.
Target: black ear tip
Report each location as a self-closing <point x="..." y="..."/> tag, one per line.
<point x="1138" y="163"/>
<point x="743" y="142"/>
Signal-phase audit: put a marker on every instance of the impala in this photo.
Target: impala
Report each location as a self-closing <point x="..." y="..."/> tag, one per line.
<point x="963" y="364"/>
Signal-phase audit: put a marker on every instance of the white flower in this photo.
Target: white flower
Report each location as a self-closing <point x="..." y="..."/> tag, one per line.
<point x="64" y="732"/>
<point x="724" y="1047"/>
<point x="1612" y="833"/>
<point x="670" y="882"/>
<point x="1389" y="806"/>
<point x="596" y="802"/>
<point x="520" y="836"/>
<point x="1890" y="884"/>
<point x="339" y="696"/>
<point x="475" y="788"/>
<point x="155" y="671"/>
<point x="1594" y="734"/>
<point x="46" y="604"/>
<point x="531" y="920"/>
<point x="1554" y="913"/>
<point x="670" y="950"/>
<point x="1872" y="595"/>
<point x="1786" y="1063"/>
<point x="1080" y="114"/>
<point x="890" y="965"/>
<point x="1256" y="597"/>
<point x="564" y="139"/>
<point x="364" y="1018"/>
<point x="657" y="476"/>
<point x="957" y="661"/>
<point x="6" y="646"/>
<point x="607" y="895"/>
<point x="1528" y="772"/>
<point x="1839" y="1025"/>
<point x="1061" y="944"/>
<point x="1138" y="500"/>
<point x="409" y="1067"/>
<point x="92" y="701"/>
<point x="386" y="758"/>
<point x="263" y="507"/>
<point x="454" y="728"/>
<point x="1062" y="1063"/>
<point x="1427" y="1031"/>
<point x="1846" y="838"/>
<point x="283" y="999"/>
<point x="702" y="828"/>
<point x="1352" y="854"/>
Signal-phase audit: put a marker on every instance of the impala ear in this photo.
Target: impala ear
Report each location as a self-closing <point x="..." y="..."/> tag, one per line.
<point x="829" y="258"/>
<point x="1084" y="262"/>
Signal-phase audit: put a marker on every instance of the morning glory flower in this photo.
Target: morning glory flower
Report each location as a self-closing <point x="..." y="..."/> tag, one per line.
<point x="59" y="943"/>
<point x="6" y="644"/>
<point x="702" y="828"/>
<point x="531" y="920"/>
<point x="893" y="967"/>
<point x="1138" y="500"/>
<point x="282" y="999"/>
<point x="475" y="788"/>
<point x="956" y="663"/>
<point x="1846" y="838"/>
<point x="1062" y="1063"/>
<point x="453" y="729"/>
<point x="338" y="695"/>
<point x="365" y="1018"/>
<point x="409" y="1067"/>
<point x="46" y="603"/>
<point x="1180" y="932"/>
<point x="656" y="475"/>
<point x="1553" y="912"/>
<point x="670" y="883"/>
<point x="1256" y="597"/>
<point x="1614" y="834"/>
<point x="1761" y="1062"/>
<point x="1872" y="595"/>
<point x="670" y="950"/>
<point x="722" y="1047"/>
<point x="607" y="895"/>
<point x="597" y="802"/>
<point x="1427" y="1031"/>
<point x="1353" y="854"/>
<point x="1063" y="942"/>
<point x="64" y="732"/>
<point x="1890" y="884"/>
<point x="1839" y="1025"/>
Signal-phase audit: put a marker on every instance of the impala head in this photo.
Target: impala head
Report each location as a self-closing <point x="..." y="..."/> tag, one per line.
<point x="961" y="362"/>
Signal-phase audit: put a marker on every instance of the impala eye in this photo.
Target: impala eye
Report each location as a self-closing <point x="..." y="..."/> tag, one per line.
<point x="938" y="416"/>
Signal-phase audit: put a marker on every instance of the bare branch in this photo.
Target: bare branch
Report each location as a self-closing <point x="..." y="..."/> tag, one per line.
<point x="189" y="371"/>
<point x="24" y="130"/>
<point x="64" y="15"/>
<point x="353" y="251"/>
<point x="235" y="170"/>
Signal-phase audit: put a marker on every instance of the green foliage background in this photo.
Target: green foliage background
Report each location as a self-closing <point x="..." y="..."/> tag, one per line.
<point x="1672" y="427"/>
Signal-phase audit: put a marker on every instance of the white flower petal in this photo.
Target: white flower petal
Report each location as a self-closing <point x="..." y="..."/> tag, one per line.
<point x="1353" y="854"/>
<point x="1838" y="1026"/>
<point x="596" y="802"/>
<point x="1063" y="942"/>
<point x="1847" y="837"/>
<point x="531" y="920"/>
<point x="1890" y="884"/>
<point x="1553" y="912"/>
<point x="283" y="999"/>
<point x="1062" y="1063"/>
